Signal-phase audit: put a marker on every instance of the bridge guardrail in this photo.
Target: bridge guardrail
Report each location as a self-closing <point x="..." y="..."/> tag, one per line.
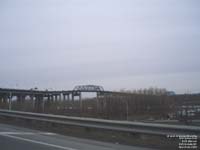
<point x="121" y="126"/>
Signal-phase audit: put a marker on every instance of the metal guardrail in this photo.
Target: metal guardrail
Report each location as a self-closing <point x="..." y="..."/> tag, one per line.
<point x="120" y="126"/>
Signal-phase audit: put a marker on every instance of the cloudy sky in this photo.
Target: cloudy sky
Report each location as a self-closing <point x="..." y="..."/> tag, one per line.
<point x="57" y="44"/>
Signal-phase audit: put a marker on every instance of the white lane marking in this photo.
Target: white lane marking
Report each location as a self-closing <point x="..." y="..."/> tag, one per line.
<point x="26" y="133"/>
<point x="47" y="133"/>
<point x="38" y="142"/>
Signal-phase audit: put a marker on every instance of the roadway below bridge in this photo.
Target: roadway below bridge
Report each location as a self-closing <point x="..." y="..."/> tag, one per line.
<point x="18" y="138"/>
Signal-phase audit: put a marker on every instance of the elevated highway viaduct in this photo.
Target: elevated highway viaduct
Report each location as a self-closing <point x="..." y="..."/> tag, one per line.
<point x="38" y="97"/>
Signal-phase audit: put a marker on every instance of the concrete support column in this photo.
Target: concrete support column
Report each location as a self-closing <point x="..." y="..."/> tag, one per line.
<point x="32" y="101"/>
<point x="43" y="102"/>
<point x="39" y="105"/>
<point x="80" y="101"/>
<point x="60" y="98"/>
<point x="10" y="101"/>
<point x="80" y="98"/>
<point x="97" y="105"/>
<point x="64" y="97"/>
<point x="51" y="98"/>
<point x="20" y="98"/>
<point x="48" y="99"/>
<point x="98" y="94"/>
<point x="72" y="98"/>
<point x="56" y="97"/>
<point x="5" y="99"/>
<point x="68" y="97"/>
<point x="23" y="97"/>
<point x="1" y="99"/>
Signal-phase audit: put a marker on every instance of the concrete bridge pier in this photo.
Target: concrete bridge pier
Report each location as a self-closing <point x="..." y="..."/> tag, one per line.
<point x="49" y="99"/>
<point x="32" y="98"/>
<point x="60" y="97"/>
<point x="20" y="98"/>
<point x="1" y="99"/>
<point x="98" y="102"/>
<point x="5" y="99"/>
<point x="10" y="101"/>
<point x="64" y="97"/>
<point x="55" y="98"/>
<point x="81" y="103"/>
<point x="68" y="98"/>
<point x="76" y="94"/>
<point x="39" y="103"/>
<point x="73" y="98"/>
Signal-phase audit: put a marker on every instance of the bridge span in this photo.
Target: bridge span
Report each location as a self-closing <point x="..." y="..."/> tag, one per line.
<point x="39" y="96"/>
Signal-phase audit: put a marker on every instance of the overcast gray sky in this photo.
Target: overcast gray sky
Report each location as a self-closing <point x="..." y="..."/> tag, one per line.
<point x="114" y="43"/>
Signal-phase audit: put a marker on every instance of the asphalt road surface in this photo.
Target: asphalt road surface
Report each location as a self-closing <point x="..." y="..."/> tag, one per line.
<point x="18" y="138"/>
